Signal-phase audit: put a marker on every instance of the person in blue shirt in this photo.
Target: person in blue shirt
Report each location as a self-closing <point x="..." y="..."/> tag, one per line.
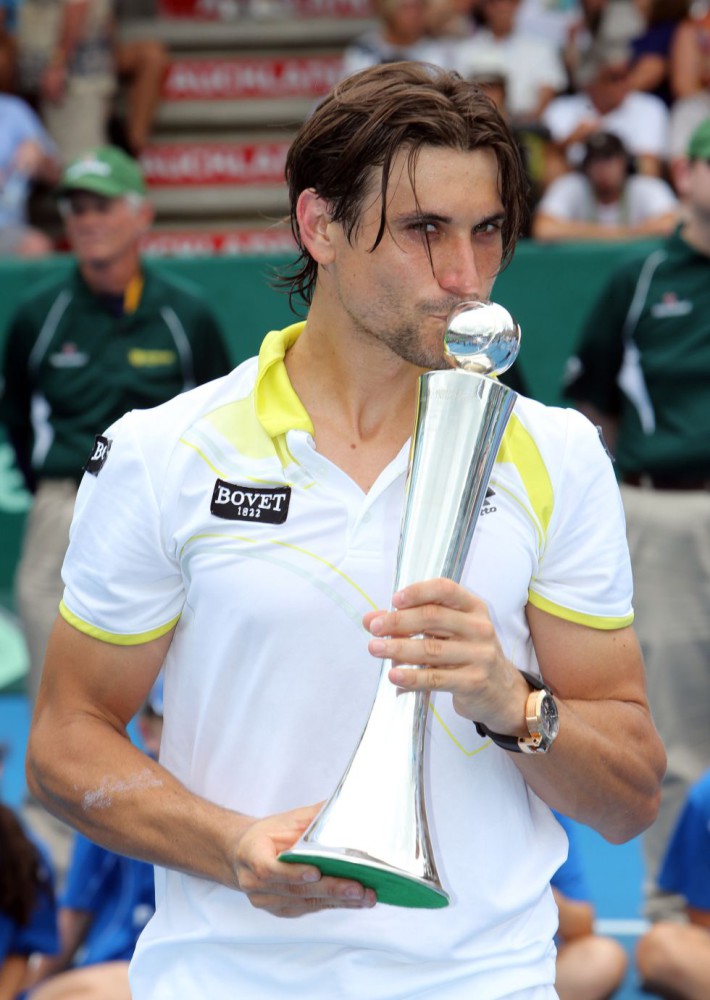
<point x="107" y="901"/>
<point x="673" y="958"/>
<point x="28" y="916"/>
<point x="589" y="965"/>
<point x="27" y="156"/>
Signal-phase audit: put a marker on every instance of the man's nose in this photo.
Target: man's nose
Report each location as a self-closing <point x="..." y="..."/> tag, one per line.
<point x="457" y="269"/>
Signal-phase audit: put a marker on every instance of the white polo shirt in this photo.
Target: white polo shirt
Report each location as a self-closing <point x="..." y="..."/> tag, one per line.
<point x="215" y="511"/>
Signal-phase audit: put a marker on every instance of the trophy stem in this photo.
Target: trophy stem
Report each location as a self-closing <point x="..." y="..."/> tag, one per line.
<point x="374" y="828"/>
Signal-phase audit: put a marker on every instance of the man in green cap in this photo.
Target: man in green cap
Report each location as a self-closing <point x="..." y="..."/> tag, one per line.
<point x="642" y="372"/>
<point x="112" y="336"/>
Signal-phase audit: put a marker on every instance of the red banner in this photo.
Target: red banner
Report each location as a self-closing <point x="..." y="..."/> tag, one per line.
<point x="177" y="164"/>
<point x="251" y="77"/>
<point x="226" y="244"/>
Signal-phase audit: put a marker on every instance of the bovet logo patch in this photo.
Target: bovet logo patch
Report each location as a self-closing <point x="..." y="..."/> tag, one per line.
<point x="99" y="454"/>
<point x="268" y="504"/>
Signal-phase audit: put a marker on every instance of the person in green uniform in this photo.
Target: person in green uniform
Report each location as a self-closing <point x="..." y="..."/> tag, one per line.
<point x="642" y="373"/>
<point x="82" y="350"/>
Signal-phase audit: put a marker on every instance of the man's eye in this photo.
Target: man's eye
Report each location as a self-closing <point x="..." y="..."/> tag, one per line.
<point x="487" y="228"/>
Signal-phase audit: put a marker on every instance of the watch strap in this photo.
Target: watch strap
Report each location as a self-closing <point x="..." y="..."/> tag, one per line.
<point x="511" y="743"/>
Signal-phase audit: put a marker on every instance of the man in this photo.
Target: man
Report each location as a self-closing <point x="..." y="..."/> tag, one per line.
<point x="534" y="70"/>
<point x="82" y="351"/>
<point x="268" y="681"/>
<point x="605" y="103"/>
<point x="28" y="156"/>
<point x="603" y="200"/>
<point x="643" y="372"/>
<point x="673" y="958"/>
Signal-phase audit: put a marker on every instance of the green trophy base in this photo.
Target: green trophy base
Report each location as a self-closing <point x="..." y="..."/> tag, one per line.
<point x="390" y="884"/>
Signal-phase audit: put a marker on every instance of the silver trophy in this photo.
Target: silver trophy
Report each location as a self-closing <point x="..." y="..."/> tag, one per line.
<point x="373" y="828"/>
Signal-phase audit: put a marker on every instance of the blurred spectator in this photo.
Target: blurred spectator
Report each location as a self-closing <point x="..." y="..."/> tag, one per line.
<point x="590" y="966"/>
<point x="642" y="372"/>
<point x="28" y="919"/>
<point x="71" y="59"/>
<point x="650" y="51"/>
<point x="606" y="105"/>
<point x="401" y="34"/>
<point x="603" y="200"/>
<point x="111" y="336"/>
<point x="600" y="35"/>
<point x="690" y="82"/>
<point x="27" y="157"/>
<point x="107" y="902"/>
<point x="66" y="66"/>
<point x="533" y="66"/>
<point x="673" y="959"/>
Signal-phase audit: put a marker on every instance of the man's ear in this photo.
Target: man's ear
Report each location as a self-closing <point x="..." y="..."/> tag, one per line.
<point x="313" y="225"/>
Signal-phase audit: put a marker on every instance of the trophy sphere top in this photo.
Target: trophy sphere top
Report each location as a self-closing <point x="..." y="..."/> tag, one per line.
<point x="481" y="337"/>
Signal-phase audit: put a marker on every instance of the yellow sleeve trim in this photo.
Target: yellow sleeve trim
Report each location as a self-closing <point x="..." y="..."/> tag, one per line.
<point x="592" y="621"/>
<point x="117" y="640"/>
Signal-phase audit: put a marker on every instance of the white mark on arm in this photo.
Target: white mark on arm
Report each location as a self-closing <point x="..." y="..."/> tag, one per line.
<point x="102" y="797"/>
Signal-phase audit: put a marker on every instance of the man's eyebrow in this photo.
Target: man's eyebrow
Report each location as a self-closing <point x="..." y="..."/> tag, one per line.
<point x="409" y="218"/>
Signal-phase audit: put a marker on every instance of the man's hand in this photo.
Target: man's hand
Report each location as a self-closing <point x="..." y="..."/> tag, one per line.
<point x="444" y="629"/>
<point x="290" y="890"/>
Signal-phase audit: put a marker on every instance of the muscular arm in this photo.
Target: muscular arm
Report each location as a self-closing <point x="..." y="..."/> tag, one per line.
<point x="605" y="768"/>
<point x="118" y="796"/>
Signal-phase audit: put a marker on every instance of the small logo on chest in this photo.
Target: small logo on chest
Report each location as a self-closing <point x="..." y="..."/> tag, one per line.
<point x="268" y="504"/>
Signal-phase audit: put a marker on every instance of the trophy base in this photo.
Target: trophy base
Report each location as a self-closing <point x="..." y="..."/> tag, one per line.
<point x="391" y="885"/>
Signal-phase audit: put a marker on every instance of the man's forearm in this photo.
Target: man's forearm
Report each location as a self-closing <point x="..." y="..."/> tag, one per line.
<point x="124" y="800"/>
<point x="604" y="769"/>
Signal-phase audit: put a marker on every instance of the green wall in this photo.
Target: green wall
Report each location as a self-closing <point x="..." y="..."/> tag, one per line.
<point x="547" y="289"/>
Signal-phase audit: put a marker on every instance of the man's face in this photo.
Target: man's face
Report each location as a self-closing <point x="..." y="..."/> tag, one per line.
<point x="607" y="175"/>
<point x="407" y="20"/>
<point x="499" y="15"/>
<point x="441" y="247"/>
<point x="103" y="230"/>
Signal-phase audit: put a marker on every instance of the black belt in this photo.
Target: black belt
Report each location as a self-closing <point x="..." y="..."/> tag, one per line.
<point x="653" y="481"/>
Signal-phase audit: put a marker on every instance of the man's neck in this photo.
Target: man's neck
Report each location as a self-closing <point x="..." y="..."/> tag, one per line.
<point x="110" y="278"/>
<point x="696" y="232"/>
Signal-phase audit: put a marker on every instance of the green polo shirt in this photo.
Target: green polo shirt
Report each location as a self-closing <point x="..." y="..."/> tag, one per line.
<point x="644" y="358"/>
<point x="75" y="362"/>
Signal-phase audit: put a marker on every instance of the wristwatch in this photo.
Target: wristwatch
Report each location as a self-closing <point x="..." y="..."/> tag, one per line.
<point x="541" y="717"/>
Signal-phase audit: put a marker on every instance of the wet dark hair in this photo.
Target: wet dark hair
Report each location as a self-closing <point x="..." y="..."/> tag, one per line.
<point x="363" y="124"/>
<point x="21" y="869"/>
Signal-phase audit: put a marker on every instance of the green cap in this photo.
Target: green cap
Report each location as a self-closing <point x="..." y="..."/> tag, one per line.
<point x="699" y="145"/>
<point x="106" y="170"/>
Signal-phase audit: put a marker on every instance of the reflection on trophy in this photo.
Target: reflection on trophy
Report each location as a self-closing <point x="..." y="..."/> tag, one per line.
<point x="373" y="829"/>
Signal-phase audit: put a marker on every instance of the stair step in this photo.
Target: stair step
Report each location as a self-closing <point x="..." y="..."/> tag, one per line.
<point x="283" y="33"/>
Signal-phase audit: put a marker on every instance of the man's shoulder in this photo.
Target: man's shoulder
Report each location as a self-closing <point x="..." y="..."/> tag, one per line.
<point x="551" y="427"/>
<point x="41" y="297"/>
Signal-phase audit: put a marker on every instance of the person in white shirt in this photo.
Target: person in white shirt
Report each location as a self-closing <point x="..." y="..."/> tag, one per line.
<point x="603" y="200"/>
<point x="606" y="104"/>
<point x="245" y="536"/>
<point x="533" y="66"/>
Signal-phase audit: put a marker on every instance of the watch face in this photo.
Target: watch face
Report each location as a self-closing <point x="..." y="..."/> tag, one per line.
<point x="549" y="719"/>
